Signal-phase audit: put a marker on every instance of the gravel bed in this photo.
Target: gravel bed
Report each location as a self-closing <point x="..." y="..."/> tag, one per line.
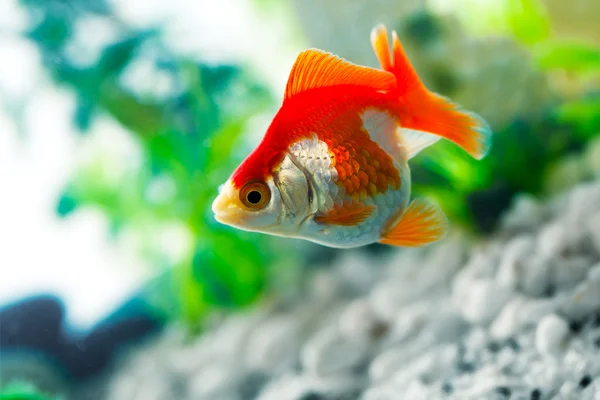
<point x="516" y="316"/>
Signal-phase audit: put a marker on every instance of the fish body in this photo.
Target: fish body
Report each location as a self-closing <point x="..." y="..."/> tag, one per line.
<point x="333" y="168"/>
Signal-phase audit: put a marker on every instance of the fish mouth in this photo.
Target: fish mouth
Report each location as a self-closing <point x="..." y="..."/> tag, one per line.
<point x="225" y="208"/>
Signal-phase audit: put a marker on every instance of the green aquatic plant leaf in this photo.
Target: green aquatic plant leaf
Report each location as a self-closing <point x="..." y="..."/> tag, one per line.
<point x="23" y="391"/>
<point x="528" y="20"/>
<point x="583" y="114"/>
<point x="572" y="56"/>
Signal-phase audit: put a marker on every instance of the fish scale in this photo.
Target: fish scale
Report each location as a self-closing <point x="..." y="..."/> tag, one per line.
<point x="324" y="174"/>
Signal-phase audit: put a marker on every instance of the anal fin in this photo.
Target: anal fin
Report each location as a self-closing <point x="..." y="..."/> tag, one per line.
<point x="422" y="223"/>
<point x="347" y="214"/>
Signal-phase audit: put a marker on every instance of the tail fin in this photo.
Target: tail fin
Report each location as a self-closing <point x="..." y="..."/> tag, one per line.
<point x="425" y="111"/>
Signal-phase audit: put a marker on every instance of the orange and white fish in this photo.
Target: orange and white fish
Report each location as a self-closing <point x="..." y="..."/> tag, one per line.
<point x="332" y="167"/>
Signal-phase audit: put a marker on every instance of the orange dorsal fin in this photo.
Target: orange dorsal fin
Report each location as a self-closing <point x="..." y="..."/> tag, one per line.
<point x="316" y="68"/>
<point x="425" y="111"/>
<point x="347" y="214"/>
<point x="381" y="46"/>
<point x="399" y="65"/>
<point x="422" y="223"/>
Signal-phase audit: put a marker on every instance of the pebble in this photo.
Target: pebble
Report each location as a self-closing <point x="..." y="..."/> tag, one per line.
<point x="273" y="346"/>
<point x="448" y="326"/>
<point x="386" y="300"/>
<point x="593" y="227"/>
<point x="410" y="321"/>
<point x="585" y="299"/>
<point x="536" y="275"/>
<point x="479" y="266"/>
<point x="526" y="212"/>
<point x="357" y="272"/>
<point x="583" y="200"/>
<point x="554" y="239"/>
<point x="358" y="321"/>
<point x="328" y="352"/>
<point x="483" y="301"/>
<point x="287" y="387"/>
<point x="219" y="378"/>
<point x="534" y="309"/>
<point x="507" y="323"/>
<point x="324" y="287"/>
<point x="306" y="387"/>
<point x="390" y="360"/>
<point x="568" y="272"/>
<point x="551" y="335"/>
<point x="430" y="366"/>
<point x="511" y="267"/>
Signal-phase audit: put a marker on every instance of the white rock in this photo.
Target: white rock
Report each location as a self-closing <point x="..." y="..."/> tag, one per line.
<point x="570" y="271"/>
<point x="273" y="346"/>
<point x="507" y="323"/>
<point x="593" y="228"/>
<point x="533" y="309"/>
<point x="218" y="379"/>
<point x="515" y="254"/>
<point x="551" y="335"/>
<point x="544" y="374"/>
<point x="133" y="387"/>
<point x="585" y="299"/>
<point x="416" y="390"/>
<point x="224" y="341"/>
<point x="447" y="326"/>
<point x="384" y="392"/>
<point x="451" y="253"/>
<point x="357" y="272"/>
<point x="575" y="362"/>
<point x="428" y="366"/>
<point x="594" y="272"/>
<point x="479" y="266"/>
<point x="328" y="352"/>
<point x="295" y="387"/>
<point x="476" y="339"/>
<point x="537" y="274"/>
<point x="484" y="300"/>
<point x="389" y="297"/>
<point x="583" y="200"/>
<point x="410" y="320"/>
<point x="385" y="364"/>
<point x="325" y="286"/>
<point x="526" y="212"/>
<point x="289" y="387"/>
<point x="358" y="321"/>
<point x="553" y="239"/>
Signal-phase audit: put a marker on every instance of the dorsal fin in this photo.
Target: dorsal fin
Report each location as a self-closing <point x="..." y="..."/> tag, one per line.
<point x="315" y="68"/>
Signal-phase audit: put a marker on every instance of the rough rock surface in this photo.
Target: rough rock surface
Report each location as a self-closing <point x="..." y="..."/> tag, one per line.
<point x="515" y="317"/>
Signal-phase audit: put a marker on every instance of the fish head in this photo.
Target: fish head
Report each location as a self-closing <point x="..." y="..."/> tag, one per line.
<point x="277" y="204"/>
<point x="255" y="206"/>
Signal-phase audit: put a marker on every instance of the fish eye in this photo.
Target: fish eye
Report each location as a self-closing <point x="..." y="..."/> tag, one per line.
<point x="255" y="195"/>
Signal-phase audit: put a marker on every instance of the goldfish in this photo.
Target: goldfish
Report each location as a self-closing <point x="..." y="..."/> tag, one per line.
<point x="332" y="167"/>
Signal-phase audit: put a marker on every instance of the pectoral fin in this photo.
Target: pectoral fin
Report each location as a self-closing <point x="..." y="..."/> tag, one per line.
<point x="422" y="223"/>
<point x="347" y="214"/>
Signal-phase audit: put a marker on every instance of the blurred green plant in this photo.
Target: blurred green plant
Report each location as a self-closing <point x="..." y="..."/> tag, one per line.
<point x="22" y="391"/>
<point x="186" y="139"/>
